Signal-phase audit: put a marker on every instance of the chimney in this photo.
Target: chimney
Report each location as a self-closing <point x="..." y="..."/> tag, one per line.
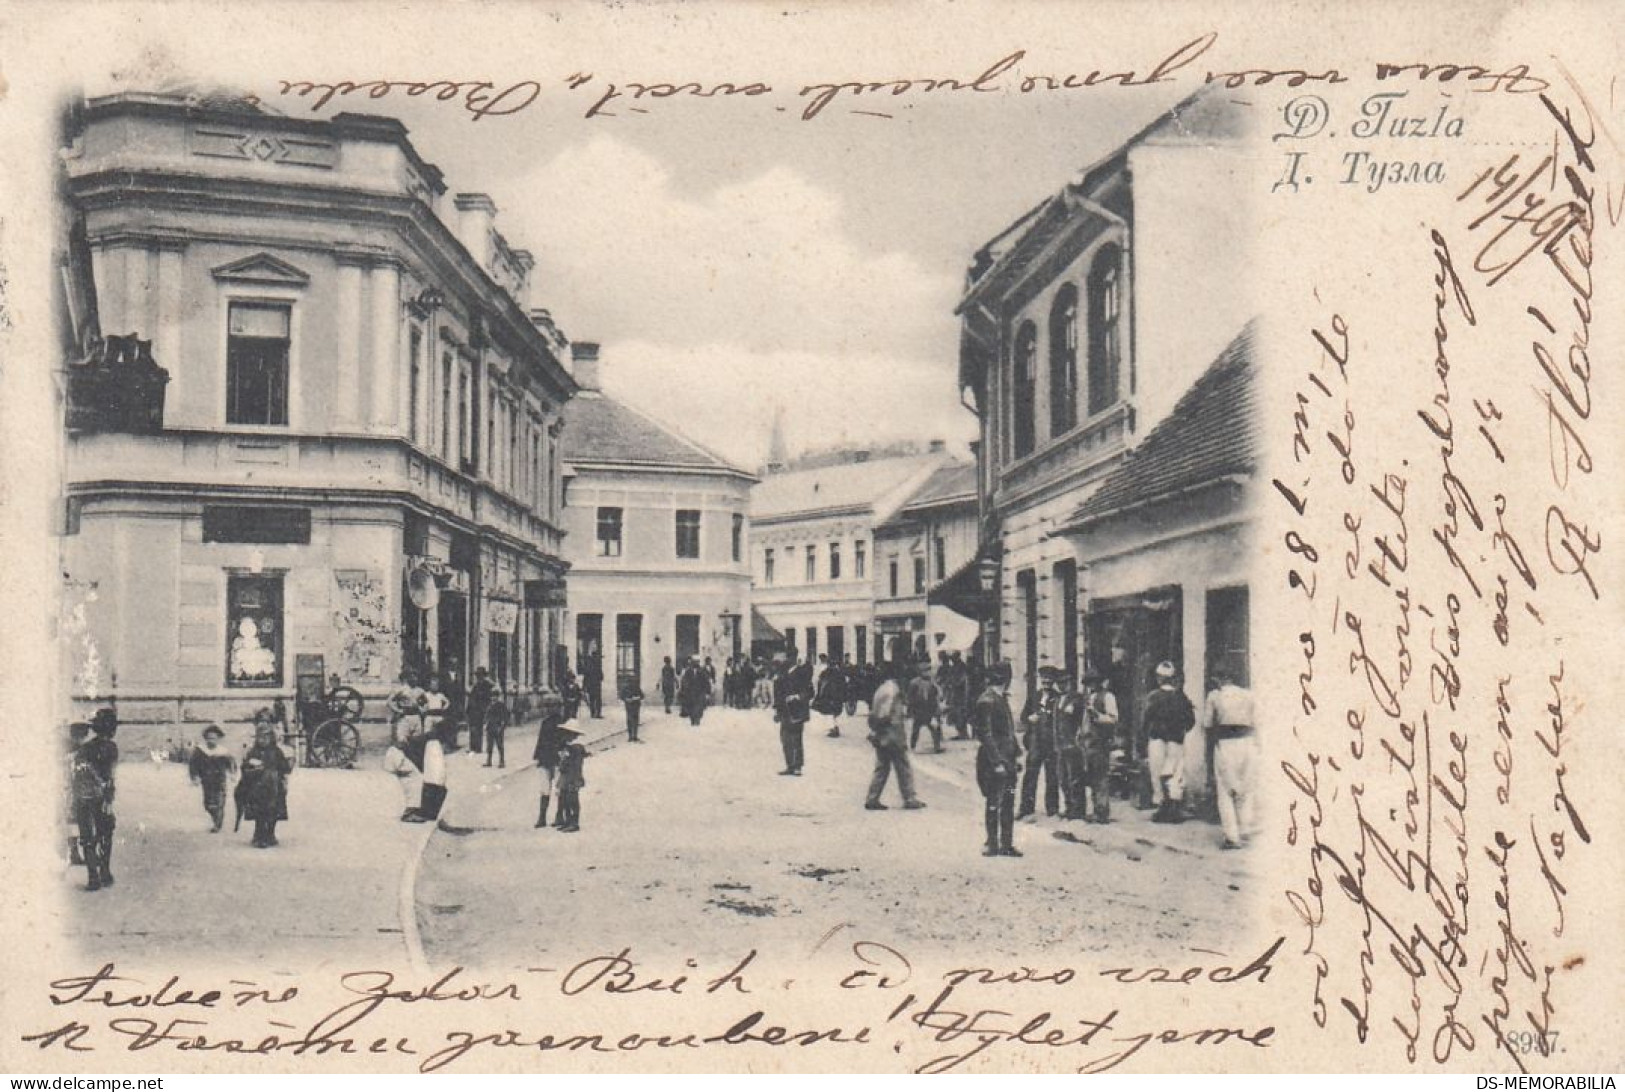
<point x="476" y="216"/>
<point x="938" y="446"/>
<point x="584" y="364"/>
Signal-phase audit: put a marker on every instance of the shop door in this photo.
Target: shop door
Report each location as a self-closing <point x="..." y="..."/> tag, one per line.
<point x="589" y="637"/>
<point x="1128" y="637"/>
<point x="451" y="651"/>
<point x="835" y="643"/>
<point x="628" y="651"/>
<point x="688" y="637"/>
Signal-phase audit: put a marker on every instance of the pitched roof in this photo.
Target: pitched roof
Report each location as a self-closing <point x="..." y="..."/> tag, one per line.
<point x="849" y="485"/>
<point x="600" y="430"/>
<point x="950" y="482"/>
<point x="1210" y="435"/>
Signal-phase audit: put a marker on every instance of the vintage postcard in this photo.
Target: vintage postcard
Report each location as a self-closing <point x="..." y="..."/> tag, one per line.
<point x="871" y="537"/>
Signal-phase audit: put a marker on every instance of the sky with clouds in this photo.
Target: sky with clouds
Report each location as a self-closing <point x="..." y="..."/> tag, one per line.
<point x="732" y="264"/>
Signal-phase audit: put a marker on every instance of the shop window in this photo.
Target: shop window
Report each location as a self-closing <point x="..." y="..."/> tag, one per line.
<point x="688" y="533"/>
<point x="253" y="630"/>
<point x="609" y="532"/>
<point x="257" y="341"/>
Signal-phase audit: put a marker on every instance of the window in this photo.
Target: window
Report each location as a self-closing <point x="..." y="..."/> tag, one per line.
<point x="257" y="339"/>
<point x="860" y="638"/>
<point x="445" y="407"/>
<point x="1024" y="390"/>
<point x="919" y="576"/>
<point x="942" y="558"/>
<point x="1227" y="640"/>
<point x="688" y="532"/>
<point x="415" y="381"/>
<point x="1105" y="327"/>
<point x="812" y="563"/>
<point x="609" y="532"/>
<point x="739" y="538"/>
<point x="834" y="560"/>
<point x="253" y="630"/>
<point x="767" y="566"/>
<point x="892" y="579"/>
<point x="1063" y="361"/>
<point x="860" y="560"/>
<point x="465" y="448"/>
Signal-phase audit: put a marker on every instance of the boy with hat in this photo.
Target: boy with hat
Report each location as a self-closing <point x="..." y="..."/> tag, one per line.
<point x="572" y="776"/>
<point x="94" y="763"/>
<point x="212" y="766"/>
<point x="1169" y="715"/>
<point x="1099" y="737"/>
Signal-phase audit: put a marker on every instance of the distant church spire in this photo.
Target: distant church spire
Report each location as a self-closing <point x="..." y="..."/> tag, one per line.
<point x="778" y="457"/>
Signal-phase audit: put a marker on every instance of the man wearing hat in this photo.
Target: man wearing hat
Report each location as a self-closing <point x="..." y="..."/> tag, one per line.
<point x="1071" y="715"/>
<point x="792" y="708"/>
<point x="212" y="766"/>
<point x="481" y="696"/>
<point x="998" y="760"/>
<point x="572" y="776"/>
<point x="888" y="735"/>
<point x="1168" y="717"/>
<point x="94" y="765"/>
<point x="1099" y="736"/>
<point x="1041" y="755"/>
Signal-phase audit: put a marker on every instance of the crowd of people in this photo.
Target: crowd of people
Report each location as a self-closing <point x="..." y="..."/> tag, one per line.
<point x="1069" y="737"/>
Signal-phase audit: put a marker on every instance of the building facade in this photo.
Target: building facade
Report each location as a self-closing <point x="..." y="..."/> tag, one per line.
<point x="931" y="537"/>
<point x="814" y="556"/>
<point x="1086" y="325"/>
<point x="356" y="468"/>
<point x="658" y="539"/>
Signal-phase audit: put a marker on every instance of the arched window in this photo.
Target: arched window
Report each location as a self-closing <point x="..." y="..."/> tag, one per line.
<point x="1024" y="389"/>
<point x="1105" y="327"/>
<point x="1063" y="361"/>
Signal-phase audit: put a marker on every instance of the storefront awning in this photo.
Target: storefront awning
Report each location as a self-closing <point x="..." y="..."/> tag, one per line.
<point x="763" y="632"/>
<point x="962" y="593"/>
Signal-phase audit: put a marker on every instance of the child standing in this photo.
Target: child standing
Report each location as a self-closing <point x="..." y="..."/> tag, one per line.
<point x="212" y="767"/>
<point x="262" y="794"/>
<point x="572" y="776"/>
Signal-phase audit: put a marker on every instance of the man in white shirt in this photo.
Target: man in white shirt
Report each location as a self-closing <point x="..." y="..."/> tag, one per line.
<point x="1229" y="716"/>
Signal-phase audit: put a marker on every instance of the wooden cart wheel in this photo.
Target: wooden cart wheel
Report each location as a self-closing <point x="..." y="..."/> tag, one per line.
<point x="346" y="703"/>
<point x="334" y="744"/>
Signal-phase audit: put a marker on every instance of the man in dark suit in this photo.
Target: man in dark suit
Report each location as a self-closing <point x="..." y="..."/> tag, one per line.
<point x="792" y="708"/>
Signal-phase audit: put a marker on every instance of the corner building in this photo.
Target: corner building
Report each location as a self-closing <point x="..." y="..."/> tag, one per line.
<point x="1106" y="343"/>
<point x="357" y="464"/>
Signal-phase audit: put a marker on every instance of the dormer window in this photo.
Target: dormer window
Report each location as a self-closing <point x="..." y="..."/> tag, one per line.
<point x="1105" y="327"/>
<point x="1024" y="392"/>
<point x="1063" y="361"/>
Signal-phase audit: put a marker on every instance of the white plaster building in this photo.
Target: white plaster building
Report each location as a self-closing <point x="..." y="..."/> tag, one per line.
<point x="814" y="549"/>
<point x="658" y="539"/>
<point x="357" y="393"/>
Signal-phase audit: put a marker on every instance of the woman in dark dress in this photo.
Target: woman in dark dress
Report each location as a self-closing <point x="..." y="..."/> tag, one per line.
<point x="262" y="792"/>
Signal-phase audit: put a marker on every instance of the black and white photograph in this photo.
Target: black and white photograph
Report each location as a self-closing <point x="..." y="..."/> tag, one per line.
<point x="634" y="559"/>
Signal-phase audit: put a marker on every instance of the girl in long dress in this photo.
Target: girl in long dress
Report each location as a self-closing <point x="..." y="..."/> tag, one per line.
<point x="262" y="792"/>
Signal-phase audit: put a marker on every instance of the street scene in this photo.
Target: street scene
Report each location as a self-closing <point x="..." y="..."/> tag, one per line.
<point x="399" y="623"/>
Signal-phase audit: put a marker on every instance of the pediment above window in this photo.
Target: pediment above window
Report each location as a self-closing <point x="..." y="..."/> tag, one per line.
<point x="262" y="269"/>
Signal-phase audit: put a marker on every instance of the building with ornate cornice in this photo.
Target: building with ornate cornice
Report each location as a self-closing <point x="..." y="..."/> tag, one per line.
<point x="355" y="464"/>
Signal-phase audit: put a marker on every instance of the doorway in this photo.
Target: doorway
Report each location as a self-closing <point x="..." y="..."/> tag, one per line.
<point x="628" y="652"/>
